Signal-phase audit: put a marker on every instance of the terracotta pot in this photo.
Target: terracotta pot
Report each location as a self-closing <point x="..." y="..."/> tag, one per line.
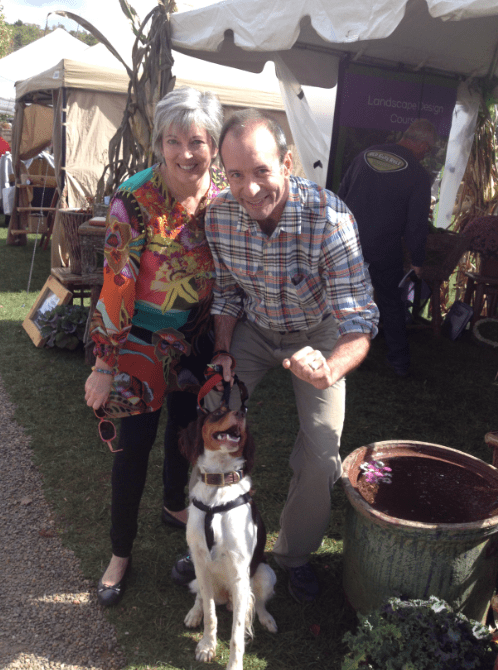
<point x="432" y="531"/>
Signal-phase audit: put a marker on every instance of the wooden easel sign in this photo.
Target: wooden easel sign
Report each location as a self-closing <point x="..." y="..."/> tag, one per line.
<point x="52" y="295"/>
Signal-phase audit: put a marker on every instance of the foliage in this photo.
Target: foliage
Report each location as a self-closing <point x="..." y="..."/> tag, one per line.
<point x="479" y="185"/>
<point x="64" y="326"/>
<point x="24" y="33"/>
<point x="5" y="35"/>
<point x="83" y="36"/>
<point x="130" y="150"/>
<point x="21" y="34"/>
<point x="419" y="635"/>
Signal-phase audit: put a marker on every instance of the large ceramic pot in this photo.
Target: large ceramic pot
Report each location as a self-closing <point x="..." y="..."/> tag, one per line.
<point x="433" y="530"/>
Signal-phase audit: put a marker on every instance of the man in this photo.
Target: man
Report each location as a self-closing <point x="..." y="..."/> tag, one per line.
<point x="291" y="289"/>
<point x="389" y="194"/>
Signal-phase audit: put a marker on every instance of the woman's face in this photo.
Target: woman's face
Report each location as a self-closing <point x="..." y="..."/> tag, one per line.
<point x="187" y="155"/>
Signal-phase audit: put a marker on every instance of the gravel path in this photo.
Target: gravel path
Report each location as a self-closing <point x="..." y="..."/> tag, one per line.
<point x="49" y="616"/>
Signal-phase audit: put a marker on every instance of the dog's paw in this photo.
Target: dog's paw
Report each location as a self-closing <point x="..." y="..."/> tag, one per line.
<point x="194" y="617"/>
<point x="206" y="650"/>
<point x="268" y="622"/>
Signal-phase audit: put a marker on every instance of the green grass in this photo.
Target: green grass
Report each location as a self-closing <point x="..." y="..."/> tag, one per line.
<point x="451" y="400"/>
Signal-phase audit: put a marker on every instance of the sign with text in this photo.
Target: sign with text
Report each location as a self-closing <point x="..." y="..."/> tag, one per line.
<point x="375" y="106"/>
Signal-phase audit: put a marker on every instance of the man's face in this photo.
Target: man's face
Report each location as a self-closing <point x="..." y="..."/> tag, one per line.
<point x="258" y="181"/>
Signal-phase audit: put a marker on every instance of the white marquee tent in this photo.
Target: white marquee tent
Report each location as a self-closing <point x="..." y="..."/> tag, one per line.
<point x="308" y="38"/>
<point x="35" y="57"/>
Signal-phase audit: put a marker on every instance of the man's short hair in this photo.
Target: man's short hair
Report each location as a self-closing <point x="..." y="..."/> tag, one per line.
<point x="248" y="118"/>
<point x="420" y="131"/>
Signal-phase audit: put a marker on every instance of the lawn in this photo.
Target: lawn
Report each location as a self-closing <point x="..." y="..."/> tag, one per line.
<point x="451" y="400"/>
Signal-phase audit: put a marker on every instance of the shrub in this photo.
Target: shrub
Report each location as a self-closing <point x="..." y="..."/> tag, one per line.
<point x="419" y="635"/>
<point x="64" y="326"/>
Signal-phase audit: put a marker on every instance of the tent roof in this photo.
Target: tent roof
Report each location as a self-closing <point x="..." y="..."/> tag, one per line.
<point x="453" y="36"/>
<point x="36" y="56"/>
<point x="99" y="70"/>
<point x="75" y="74"/>
<point x="233" y="87"/>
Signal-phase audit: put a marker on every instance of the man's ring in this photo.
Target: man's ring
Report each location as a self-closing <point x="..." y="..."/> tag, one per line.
<point x="313" y="366"/>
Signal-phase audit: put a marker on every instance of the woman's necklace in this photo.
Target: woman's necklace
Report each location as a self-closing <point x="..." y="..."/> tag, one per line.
<point x="192" y="201"/>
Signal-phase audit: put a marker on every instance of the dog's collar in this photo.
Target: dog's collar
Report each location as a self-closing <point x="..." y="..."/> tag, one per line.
<point x="222" y="478"/>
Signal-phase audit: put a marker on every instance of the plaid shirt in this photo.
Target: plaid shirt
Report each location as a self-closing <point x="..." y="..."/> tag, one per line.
<point x="311" y="266"/>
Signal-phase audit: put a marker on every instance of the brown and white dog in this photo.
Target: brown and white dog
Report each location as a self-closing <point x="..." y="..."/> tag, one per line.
<point x="225" y="532"/>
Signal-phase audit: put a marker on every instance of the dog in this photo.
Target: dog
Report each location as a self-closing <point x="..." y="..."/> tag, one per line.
<point x="225" y="533"/>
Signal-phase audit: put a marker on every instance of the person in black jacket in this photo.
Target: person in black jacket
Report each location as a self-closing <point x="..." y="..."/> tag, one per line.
<point x="389" y="193"/>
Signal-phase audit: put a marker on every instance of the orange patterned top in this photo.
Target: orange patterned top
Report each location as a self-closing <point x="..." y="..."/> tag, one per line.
<point x="153" y="310"/>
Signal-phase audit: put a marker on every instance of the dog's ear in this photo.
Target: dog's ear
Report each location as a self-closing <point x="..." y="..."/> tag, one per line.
<point x="190" y="441"/>
<point x="249" y="451"/>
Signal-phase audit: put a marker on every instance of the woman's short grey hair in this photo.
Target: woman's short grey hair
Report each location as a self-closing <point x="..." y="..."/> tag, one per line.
<point x="183" y="108"/>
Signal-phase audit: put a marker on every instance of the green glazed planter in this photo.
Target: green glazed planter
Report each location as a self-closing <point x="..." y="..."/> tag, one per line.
<point x="385" y="555"/>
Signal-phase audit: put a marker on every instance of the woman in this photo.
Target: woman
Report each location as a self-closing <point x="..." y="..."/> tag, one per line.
<point x="151" y="326"/>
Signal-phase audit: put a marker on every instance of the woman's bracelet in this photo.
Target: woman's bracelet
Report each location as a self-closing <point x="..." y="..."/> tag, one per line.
<point x="220" y="352"/>
<point x="104" y="372"/>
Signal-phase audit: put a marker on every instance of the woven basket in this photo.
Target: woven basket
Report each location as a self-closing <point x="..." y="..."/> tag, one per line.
<point x="37" y="224"/>
<point x="442" y="252"/>
<point x="71" y="220"/>
<point x="100" y="209"/>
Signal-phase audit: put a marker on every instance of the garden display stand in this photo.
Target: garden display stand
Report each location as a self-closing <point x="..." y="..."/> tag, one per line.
<point x="432" y="531"/>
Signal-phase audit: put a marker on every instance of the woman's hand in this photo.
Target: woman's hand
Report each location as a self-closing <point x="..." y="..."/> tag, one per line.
<point x="98" y="386"/>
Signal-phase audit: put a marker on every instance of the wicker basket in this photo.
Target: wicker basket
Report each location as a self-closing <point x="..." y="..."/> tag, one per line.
<point x="71" y="220"/>
<point x="100" y="209"/>
<point x="37" y="224"/>
<point x="442" y="252"/>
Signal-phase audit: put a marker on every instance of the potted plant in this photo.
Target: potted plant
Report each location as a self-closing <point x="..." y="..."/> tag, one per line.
<point x="64" y="326"/>
<point x="418" y="635"/>
<point x="422" y="520"/>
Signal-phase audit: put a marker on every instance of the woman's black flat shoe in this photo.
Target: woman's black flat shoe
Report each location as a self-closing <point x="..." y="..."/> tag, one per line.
<point x="170" y="520"/>
<point x="109" y="596"/>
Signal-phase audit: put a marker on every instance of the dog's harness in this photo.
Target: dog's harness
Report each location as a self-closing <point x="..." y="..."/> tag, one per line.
<point x="213" y="376"/>
<point x="219" y="509"/>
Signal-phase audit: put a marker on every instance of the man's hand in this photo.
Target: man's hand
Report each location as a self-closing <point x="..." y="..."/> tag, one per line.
<point x="226" y="361"/>
<point x="311" y="366"/>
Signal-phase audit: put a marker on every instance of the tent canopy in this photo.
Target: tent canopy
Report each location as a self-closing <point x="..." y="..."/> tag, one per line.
<point x="79" y="104"/>
<point x="307" y="40"/>
<point x="36" y="56"/>
<point x="310" y="34"/>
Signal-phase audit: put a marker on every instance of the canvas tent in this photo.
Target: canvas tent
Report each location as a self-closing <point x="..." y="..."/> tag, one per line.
<point x="309" y="39"/>
<point x="39" y="55"/>
<point x="74" y="107"/>
<point x="78" y="104"/>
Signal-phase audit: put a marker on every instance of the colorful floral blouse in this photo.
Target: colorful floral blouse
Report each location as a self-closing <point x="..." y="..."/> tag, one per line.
<point x="152" y="320"/>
